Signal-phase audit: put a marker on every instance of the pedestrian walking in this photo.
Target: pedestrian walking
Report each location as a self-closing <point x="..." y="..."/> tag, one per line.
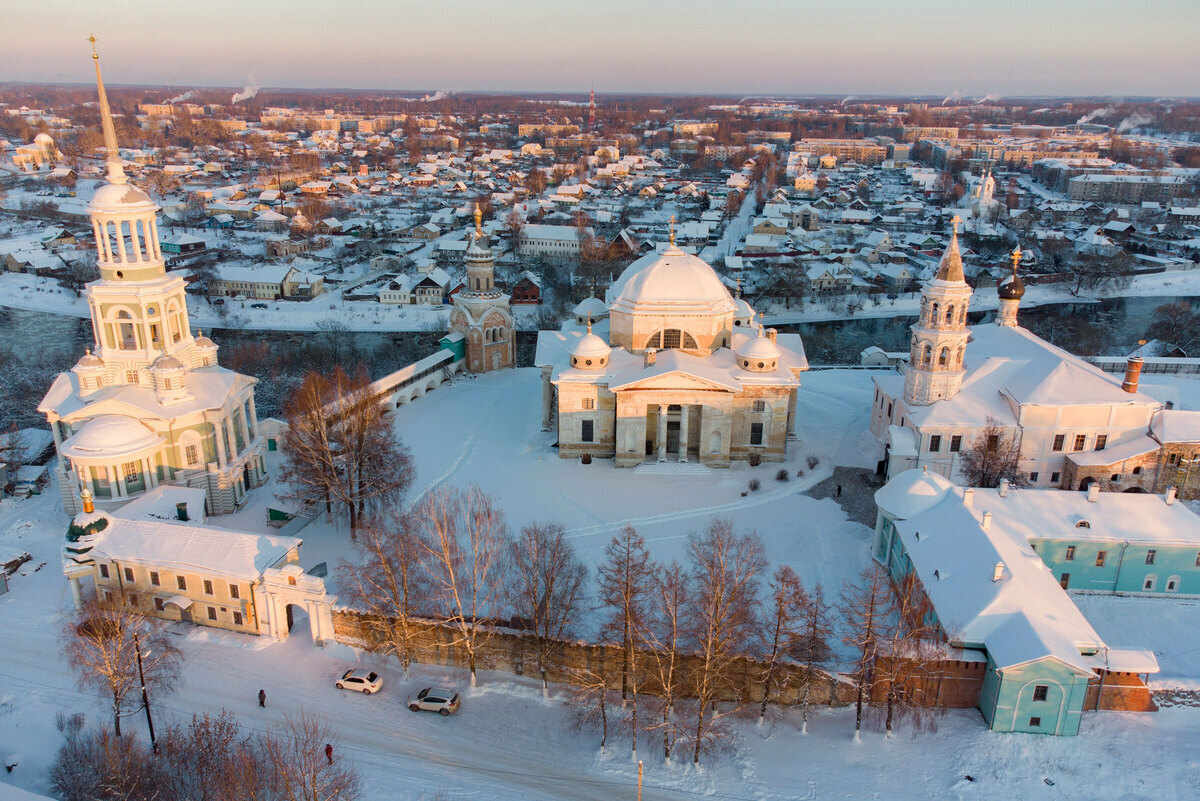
<point x="262" y="698"/>
<point x="839" y="490"/>
<point x="329" y="752"/>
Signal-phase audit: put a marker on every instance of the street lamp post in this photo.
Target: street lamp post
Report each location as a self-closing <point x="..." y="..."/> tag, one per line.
<point x="137" y="647"/>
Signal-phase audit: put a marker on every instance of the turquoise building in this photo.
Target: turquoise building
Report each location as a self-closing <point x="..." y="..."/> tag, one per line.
<point x="987" y="562"/>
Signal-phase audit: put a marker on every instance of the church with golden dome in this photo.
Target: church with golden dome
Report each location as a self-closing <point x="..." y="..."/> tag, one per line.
<point x="685" y="374"/>
<point x="148" y="405"/>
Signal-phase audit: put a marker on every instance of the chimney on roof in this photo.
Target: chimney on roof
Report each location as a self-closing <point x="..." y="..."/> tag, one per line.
<point x="998" y="571"/>
<point x="1133" y="369"/>
<point x="968" y="496"/>
<point x="771" y="334"/>
<point x="1170" y="497"/>
<point x="1093" y="493"/>
<point x="651" y="356"/>
<point x="1004" y="488"/>
<point x="987" y="521"/>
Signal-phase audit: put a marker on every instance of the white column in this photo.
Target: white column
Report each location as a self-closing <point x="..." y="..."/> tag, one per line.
<point x="99" y="239"/>
<point x="121" y="243"/>
<point x="252" y="424"/>
<point x="662" y="432"/>
<point x="219" y="438"/>
<point x="683" y="431"/>
<point x="76" y="595"/>
<point x="135" y="241"/>
<point x="117" y="480"/>
<point x="231" y="440"/>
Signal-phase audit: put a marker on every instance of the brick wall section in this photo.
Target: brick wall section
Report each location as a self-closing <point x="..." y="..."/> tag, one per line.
<point x="1122" y="692"/>
<point x="512" y="652"/>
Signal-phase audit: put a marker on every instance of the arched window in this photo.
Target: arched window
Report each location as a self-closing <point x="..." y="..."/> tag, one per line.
<point x="126" y="332"/>
<point x="933" y="313"/>
<point x="926" y="354"/>
<point x="950" y="314"/>
<point x="944" y="357"/>
<point x="655" y="341"/>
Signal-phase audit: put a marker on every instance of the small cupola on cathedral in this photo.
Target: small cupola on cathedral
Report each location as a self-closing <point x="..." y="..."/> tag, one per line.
<point x="91" y="371"/>
<point x="759" y="354"/>
<point x="1010" y="289"/>
<point x="170" y="380"/>
<point x="590" y="352"/>
<point x="743" y="314"/>
<point x="205" y="353"/>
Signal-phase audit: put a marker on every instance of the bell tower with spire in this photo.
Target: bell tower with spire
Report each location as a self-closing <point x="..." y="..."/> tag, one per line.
<point x="139" y="311"/>
<point x="939" y="337"/>
<point x="481" y="311"/>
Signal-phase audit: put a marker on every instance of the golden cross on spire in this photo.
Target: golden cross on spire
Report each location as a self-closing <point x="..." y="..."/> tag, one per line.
<point x="955" y="221"/>
<point x="92" y="39"/>
<point x="672" y="233"/>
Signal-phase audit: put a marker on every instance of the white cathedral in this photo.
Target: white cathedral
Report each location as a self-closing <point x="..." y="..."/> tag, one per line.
<point x="685" y="374"/>
<point x="1053" y="404"/>
<point x="149" y="405"/>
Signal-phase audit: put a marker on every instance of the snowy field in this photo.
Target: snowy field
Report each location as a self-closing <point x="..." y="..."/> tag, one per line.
<point x="507" y="743"/>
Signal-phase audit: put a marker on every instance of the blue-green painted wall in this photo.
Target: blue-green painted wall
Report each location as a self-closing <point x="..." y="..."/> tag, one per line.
<point x="1125" y="569"/>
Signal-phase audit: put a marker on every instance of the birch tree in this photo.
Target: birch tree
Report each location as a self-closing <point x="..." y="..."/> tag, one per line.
<point x="625" y="579"/>
<point x="723" y="614"/>
<point x="546" y="589"/>
<point x="390" y="584"/>
<point x="297" y="770"/>
<point x="663" y="636"/>
<point x="464" y="537"/>
<point x="100" y="646"/>
<point x="913" y="655"/>
<point x="864" y="608"/>
<point x="786" y="612"/>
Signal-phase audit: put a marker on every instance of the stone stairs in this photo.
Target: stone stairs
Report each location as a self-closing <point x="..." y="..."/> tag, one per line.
<point x="673" y="467"/>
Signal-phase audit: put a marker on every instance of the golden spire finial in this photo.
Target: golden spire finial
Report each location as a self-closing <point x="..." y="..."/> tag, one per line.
<point x="116" y="172"/>
<point x="739" y="286"/>
<point x="672" y="229"/>
<point x="589" y="324"/>
<point x="955" y="220"/>
<point x="478" y="221"/>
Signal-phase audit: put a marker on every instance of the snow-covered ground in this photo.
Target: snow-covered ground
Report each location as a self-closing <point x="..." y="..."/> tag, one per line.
<point x="507" y="742"/>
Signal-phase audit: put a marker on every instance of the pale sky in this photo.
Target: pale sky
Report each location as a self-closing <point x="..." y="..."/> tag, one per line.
<point x="927" y="47"/>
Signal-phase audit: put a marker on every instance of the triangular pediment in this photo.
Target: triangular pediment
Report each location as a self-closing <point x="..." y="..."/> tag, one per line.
<point x="112" y="406"/>
<point x="679" y="380"/>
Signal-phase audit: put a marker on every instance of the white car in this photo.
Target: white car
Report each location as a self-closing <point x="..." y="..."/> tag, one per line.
<point x="434" y="699"/>
<point x="366" y="680"/>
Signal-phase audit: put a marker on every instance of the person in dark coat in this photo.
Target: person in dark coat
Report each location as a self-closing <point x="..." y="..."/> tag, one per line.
<point x="262" y="697"/>
<point x="329" y="752"/>
<point x="839" y="490"/>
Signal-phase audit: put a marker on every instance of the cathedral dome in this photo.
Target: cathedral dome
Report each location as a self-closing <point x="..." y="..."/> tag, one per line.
<point x="591" y="352"/>
<point x="113" y="198"/>
<point x="165" y="364"/>
<point x="671" y="280"/>
<point x="89" y="362"/>
<point x="1010" y="287"/>
<point x="758" y="354"/>
<point x="110" y="436"/>
<point x="589" y="309"/>
<point x="743" y="315"/>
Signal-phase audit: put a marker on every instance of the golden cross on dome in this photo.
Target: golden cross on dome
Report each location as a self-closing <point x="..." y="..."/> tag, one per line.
<point x="1016" y="257"/>
<point x="672" y="234"/>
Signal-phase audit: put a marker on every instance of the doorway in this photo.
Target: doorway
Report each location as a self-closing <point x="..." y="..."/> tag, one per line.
<point x="672" y="436"/>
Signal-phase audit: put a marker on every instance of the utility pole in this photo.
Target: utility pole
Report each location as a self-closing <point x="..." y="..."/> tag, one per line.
<point x="137" y="647"/>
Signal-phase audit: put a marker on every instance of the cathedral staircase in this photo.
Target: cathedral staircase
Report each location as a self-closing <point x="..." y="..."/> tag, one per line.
<point x="673" y="467"/>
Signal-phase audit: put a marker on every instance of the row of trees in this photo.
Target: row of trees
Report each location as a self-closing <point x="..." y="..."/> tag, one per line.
<point x="685" y="633"/>
<point x="209" y="758"/>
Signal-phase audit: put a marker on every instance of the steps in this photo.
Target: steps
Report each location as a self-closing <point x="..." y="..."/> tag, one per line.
<point x="673" y="467"/>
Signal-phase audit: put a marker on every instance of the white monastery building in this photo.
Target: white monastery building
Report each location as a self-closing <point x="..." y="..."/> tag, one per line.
<point x="1052" y="403"/>
<point x="685" y="374"/>
<point x="149" y="405"/>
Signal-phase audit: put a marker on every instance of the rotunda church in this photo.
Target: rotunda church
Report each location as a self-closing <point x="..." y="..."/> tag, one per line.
<point x="685" y="373"/>
<point x="148" y="405"/>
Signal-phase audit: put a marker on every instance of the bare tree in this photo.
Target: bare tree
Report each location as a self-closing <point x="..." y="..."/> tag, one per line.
<point x="668" y="602"/>
<point x="15" y="451"/>
<point x="389" y="583"/>
<point x="911" y="658"/>
<point x="296" y="765"/>
<point x="625" y="580"/>
<point x="994" y="455"/>
<point x="311" y="465"/>
<point x="100" y="646"/>
<point x="864" y="608"/>
<point x="1175" y="324"/>
<point x="101" y="766"/>
<point x="207" y="759"/>
<point x="589" y="701"/>
<point x="786" y="613"/>
<point x="546" y="587"/>
<point x="725" y="568"/>
<point x="464" y="538"/>
<point x="811" y="649"/>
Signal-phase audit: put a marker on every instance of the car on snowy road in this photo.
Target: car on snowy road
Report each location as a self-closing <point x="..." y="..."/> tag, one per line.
<point x="434" y="699"/>
<point x="368" y="681"/>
